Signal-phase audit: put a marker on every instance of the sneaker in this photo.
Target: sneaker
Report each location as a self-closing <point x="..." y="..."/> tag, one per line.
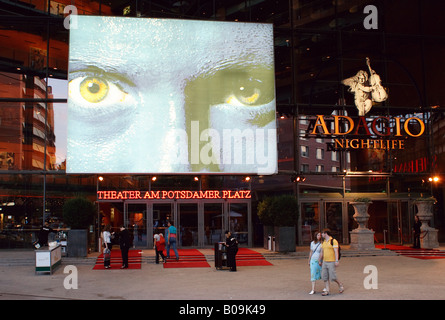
<point x="341" y="289"/>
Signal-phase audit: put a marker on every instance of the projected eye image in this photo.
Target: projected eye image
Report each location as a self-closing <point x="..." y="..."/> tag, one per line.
<point x="171" y="96"/>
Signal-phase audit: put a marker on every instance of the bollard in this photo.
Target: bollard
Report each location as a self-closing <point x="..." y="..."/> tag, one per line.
<point x="384" y="239"/>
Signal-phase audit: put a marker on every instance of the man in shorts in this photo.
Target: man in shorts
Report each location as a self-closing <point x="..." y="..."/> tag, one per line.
<point x="329" y="257"/>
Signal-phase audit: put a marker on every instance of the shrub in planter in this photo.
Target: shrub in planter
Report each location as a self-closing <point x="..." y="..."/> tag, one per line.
<point x="265" y="215"/>
<point x="264" y="211"/>
<point x="282" y="213"/>
<point x="78" y="214"/>
<point x="285" y="211"/>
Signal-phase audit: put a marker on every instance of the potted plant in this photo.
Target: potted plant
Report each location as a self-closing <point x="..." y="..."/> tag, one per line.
<point x="362" y="238"/>
<point x="266" y="218"/>
<point x="78" y="214"/>
<point x="281" y="212"/>
<point x="429" y="238"/>
<point x="361" y="215"/>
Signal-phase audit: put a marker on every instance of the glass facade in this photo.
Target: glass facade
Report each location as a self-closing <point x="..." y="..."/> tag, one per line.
<point x="337" y="151"/>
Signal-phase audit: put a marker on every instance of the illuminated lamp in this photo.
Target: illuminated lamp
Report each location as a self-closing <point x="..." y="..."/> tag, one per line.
<point x="196" y="178"/>
<point x="433" y="179"/>
<point x="246" y="179"/>
<point x="295" y="178"/>
<point x="153" y="179"/>
<point x="100" y="178"/>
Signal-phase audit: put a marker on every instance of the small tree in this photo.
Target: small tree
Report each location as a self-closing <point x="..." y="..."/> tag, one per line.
<point x="280" y="211"/>
<point x="285" y="211"/>
<point x="264" y="211"/>
<point x="78" y="213"/>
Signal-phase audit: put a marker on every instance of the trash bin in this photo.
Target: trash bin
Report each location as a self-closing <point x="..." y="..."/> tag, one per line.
<point x="271" y="243"/>
<point x="220" y="255"/>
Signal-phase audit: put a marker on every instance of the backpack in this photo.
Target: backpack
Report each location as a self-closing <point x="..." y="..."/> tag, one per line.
<point x="160" y="244"/>
<point x="339" y="248"/>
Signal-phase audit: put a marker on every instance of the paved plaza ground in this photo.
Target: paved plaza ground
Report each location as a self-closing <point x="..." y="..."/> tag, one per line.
<point x="392" y="277"/>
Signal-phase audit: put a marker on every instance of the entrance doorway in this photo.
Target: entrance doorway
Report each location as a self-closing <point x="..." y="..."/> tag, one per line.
<point x="161" y="214"/>
<point x="137" y="223"/>
<point x="213" y="223"/>
<point x="333" y="219"/>
<point x="390" y="219"/>
<point x="239" y="222"/>
<point x="199" y="223"/>
<point x="317" y="215"/>
<point x="399" y="222"/>
<point x="188" y="224"/>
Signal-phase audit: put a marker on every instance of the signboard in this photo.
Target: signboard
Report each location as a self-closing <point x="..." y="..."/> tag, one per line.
<point x="379" y="132"/>
<point x="173" y="194"/>
<point x="364" y="131"/>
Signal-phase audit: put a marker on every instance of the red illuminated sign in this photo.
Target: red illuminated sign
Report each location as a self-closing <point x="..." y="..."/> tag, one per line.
<point x="173" y="194"/>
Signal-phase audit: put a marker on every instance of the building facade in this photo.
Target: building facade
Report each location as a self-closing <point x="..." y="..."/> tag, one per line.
<point x="359" y="114"/>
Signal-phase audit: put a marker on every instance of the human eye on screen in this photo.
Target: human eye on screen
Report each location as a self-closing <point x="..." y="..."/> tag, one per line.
<point x="96" y="92"/>
<point x="247" y="91"/>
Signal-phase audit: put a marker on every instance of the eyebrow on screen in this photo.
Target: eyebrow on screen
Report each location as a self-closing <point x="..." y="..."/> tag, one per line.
<point x="80" y="66"/>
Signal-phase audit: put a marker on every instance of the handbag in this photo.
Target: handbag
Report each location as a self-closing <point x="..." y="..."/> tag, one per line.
<point x="107" y="254"/>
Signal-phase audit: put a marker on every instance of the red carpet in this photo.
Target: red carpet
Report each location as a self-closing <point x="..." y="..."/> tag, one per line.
<point x="414" y="253"/>
<point x="188" y="258"/>
<point x="247" y="257"/>
<point x="134" y="260"/>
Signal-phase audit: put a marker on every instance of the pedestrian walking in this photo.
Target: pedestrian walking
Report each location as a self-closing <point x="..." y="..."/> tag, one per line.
<point x="329" y="261"/>
<point x="232" y="249"/>
<point x="124" y="243"/>
<point x="314" y="255"/>
<point x="159" y="246"/>
<point x="416" y="231"/>
<point x="106" y="239"/>
<point x="171" y="240"/>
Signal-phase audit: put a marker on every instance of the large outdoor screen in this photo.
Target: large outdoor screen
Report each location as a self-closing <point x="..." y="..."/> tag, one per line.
<point x="171" y="96"/>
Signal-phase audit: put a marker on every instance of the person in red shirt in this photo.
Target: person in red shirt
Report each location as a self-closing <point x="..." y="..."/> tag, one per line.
<point x="159" y="247"/>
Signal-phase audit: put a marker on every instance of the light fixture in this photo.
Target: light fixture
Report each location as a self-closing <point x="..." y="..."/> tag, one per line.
<point x="154" y="178"/>
<point x="100" y="178"/>
<point x="296" y="178"/>
<point x="196" y="178"/>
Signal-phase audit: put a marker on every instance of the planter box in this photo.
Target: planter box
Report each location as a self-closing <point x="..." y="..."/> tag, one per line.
<point x="362" y="239"/>
<point x="285" y="239"/>
<point x="77" y="243"/>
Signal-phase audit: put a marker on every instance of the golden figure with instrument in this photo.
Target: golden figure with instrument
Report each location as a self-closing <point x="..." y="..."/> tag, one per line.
<point x="366" y="91"/>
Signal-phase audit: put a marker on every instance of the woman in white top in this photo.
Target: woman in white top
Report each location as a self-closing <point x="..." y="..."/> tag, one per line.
<point x="314" y="254"/>
<point x="106" y="238"/>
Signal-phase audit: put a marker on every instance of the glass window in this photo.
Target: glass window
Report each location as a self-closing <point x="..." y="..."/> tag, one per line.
<point x="304" y="151"/>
